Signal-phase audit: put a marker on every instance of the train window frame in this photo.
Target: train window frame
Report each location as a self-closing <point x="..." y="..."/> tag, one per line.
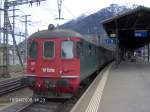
<point x="90" y="49"/>
<point x="84" y="50"/>
<point x="50" y="58"/>
<point x="95" y="50"/>
<point x="72" y="50"/>
<point x="79" y="49"/>
<point x="28" y="49"/>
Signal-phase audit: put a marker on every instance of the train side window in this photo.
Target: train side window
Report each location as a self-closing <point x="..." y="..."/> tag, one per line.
<point x="33" y="50"/>
<point x="79" y="49"/>
<point x="90" y="49"/>
<point x="67" y="49"/>
<point x="95" y="50"/>
<point x="48" y="49"/>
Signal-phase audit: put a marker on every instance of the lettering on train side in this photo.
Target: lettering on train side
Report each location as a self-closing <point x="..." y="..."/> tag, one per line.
<point x="47" y="69"/>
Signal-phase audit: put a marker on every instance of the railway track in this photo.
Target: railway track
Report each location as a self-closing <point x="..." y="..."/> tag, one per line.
<point x="47" y="106"/>
<point x="9" y="85"/>
<point x="43" y="107"/>
<point x="51" y="105"/>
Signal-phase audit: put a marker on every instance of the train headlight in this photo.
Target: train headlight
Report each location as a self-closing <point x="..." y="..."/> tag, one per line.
<point x="32" y="64"/>
<point x="60" y="72"/>
<point x="65" y="70"/>
<point x="32" y="69"/>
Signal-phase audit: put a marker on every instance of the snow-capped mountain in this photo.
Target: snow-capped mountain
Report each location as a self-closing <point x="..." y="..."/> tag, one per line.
<point x="91" y="24"/>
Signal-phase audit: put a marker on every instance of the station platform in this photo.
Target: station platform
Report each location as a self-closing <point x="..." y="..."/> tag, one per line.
<point x="125" y="88"/>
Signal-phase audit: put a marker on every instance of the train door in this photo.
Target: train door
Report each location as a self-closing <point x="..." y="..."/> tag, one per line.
<point x="49" y="66"/>
<point x="32" y="57"/>
<point x="70" y="62"/>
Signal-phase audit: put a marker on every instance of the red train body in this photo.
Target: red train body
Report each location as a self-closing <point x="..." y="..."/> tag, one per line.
<point x="54" y="65"/>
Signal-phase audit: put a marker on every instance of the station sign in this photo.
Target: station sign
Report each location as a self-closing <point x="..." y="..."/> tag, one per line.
<point x="141" y="33"/>
<point x="110" y="41"/>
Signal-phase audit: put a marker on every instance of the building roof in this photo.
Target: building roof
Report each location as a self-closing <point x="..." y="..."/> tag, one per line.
<point x="125" y="25"/>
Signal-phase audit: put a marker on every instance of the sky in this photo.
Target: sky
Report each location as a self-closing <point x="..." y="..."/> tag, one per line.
<point x="47" y="12"/>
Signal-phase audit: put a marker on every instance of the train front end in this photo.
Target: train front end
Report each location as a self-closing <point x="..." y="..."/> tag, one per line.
<point x="53" y="66"/>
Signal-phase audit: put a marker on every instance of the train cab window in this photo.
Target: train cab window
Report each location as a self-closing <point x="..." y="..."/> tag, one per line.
<point x="33" y="49"/>
<point x="67" y="49"/>
<point x="48" y="49"/>
<point x="90" y="50"/>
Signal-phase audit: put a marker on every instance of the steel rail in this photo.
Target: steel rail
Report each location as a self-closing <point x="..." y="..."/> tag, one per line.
<point x="9" y="85"/>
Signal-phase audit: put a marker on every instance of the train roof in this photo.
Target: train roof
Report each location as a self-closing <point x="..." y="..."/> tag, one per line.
<point x="57" y="33"/>
<point x="60" y="33"/>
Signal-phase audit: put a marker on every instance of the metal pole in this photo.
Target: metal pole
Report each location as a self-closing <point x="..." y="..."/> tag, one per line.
<point x="5" y="42"/>
<point x="16" y="46"/>
<point x="59" y="8"/>
<point x="59" y="3"/>
<point x="13" y="33"/>
<point x="26" y="33"/>
<point x="144" y="53"/>
<point x="117" y="45"/>
<point x="0" y="21"/>
<point x="148" y="52"/>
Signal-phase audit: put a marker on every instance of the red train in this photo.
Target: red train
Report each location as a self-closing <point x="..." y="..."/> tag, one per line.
<point x="59" y="60"/>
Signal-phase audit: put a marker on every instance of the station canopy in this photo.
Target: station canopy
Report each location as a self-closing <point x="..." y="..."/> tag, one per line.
<point x="132" y="28"/>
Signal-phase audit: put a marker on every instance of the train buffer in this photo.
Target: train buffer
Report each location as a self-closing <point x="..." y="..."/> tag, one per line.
<point x="122" y="89"/>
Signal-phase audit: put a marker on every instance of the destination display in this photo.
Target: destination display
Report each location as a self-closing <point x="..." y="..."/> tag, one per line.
<point x="141" y="33"/>
<point x="110" y="41"/>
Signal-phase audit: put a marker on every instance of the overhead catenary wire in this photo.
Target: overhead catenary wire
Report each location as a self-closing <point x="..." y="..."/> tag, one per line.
<point x="68" y="10"/>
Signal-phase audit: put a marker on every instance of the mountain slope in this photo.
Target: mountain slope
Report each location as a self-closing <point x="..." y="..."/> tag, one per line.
<point x="92" y="24"/>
